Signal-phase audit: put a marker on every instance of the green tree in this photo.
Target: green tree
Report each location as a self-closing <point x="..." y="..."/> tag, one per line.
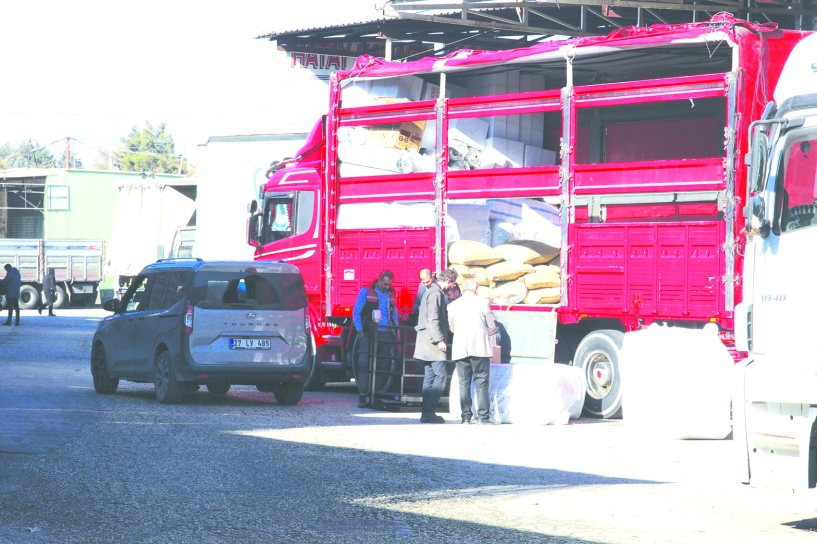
<point x="28" y="154"/>
<point x="149" y="150"/>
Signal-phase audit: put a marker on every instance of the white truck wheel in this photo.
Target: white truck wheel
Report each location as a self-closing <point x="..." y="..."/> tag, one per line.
<point x="598" y="356"/>
<point x="59" y="297"/>
<point x="29" y="297"/>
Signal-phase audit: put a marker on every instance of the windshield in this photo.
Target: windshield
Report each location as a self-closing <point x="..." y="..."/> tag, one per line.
<point x="288" y="215"/>
<point x="799" y="172"/>
<point x="266" y="291"/>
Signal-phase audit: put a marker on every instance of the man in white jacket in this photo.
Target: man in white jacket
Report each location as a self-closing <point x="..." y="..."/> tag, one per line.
<point x="471" y="320"/>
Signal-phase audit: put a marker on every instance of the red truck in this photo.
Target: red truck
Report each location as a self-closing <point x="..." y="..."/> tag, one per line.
<point x="616" y="159"/>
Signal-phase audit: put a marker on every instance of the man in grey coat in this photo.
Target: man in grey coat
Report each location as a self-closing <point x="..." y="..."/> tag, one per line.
<point x="12" y="283"/>
<point x="49" y="292"/>
<point x="430" y="347"/>
<point x="472" y="322"/>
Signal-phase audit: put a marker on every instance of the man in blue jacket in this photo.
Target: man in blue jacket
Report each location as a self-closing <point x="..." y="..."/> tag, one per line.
<point x="12" y="283"/>
<point x="375" y="303"/>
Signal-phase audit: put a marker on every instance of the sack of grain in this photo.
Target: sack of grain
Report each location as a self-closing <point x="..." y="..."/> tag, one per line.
<point x="509" y="292"/>
<point x="461" y="270"/>
<point x="508" y="270"/>
<point x="547" y="277"/>
<point x="472" y="253"/>
<point x="548" y="295"/>
<point x="545" y="253"/>
<point x="522" y="254"/>
<point x="546" y="267"/>
<point x="480" y="274"/>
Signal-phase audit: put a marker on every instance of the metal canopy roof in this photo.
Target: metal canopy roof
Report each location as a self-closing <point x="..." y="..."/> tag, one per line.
<point x="413" y="26"/>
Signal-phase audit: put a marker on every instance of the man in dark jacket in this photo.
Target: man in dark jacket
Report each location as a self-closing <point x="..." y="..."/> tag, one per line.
<point x="430" y="347"/>
<point x="12" y="284"/>
<point x="375" y="303"/>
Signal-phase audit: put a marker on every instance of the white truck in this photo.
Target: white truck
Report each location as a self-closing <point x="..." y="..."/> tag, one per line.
<point x="77" y="267"/>
<point x="147" y="217"/>
<point x="775" y="399"/>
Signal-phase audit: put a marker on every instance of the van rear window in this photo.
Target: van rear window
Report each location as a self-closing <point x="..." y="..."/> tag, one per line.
<point x="225" y="290"/>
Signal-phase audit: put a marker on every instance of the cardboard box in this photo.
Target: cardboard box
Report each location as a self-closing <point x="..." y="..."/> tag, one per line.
<point x="357" y="95"/>
<point x="399" y="136"/>
<point x="432" y="91"/>
<point x="529" y="82"/>
<point x="471" y="131"/>
<point x="502" y="153"/>
<point x="536" y="156"/>
<point x="410" y="87"/>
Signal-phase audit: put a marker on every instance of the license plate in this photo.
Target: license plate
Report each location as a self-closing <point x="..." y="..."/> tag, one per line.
<point x="250" y="343"/>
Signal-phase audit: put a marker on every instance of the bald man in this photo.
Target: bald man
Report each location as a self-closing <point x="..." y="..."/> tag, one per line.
<point x="426" y="277"/>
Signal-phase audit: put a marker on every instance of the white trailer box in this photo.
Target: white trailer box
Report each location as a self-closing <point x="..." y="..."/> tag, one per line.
<point x="231" y="168"/>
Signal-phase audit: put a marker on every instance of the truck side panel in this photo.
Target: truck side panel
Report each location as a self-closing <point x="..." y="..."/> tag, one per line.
<point x="364" y="254"/>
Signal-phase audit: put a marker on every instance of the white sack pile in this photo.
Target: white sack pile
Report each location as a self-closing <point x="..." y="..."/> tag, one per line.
<point x="676" y="382"/>
<point x="529" y="394"/>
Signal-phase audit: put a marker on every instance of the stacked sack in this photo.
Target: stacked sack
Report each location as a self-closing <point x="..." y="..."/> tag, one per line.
<point x="519" y="272"/>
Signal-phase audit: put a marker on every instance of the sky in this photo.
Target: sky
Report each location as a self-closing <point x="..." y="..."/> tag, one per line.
<point x="93" y="69"/>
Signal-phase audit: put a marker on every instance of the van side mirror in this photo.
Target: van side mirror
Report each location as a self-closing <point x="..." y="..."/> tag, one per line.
<point x="111" y="305"/>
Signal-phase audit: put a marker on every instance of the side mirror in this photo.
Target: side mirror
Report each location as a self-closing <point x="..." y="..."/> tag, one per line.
<point x="754" y="212"/>
<point x="254" y="230"/>
<point x="252" y="207"/>
<point x="111" y="305"/>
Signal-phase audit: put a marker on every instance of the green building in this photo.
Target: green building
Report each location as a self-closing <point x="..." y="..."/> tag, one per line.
<point x="77" y="205"/>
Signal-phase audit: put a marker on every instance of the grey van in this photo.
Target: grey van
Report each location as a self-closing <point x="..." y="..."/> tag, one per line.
<point x="183" y="323"/>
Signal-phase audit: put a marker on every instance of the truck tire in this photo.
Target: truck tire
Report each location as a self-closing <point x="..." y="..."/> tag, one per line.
<point x="315" y="381"/>
<point x="29" y="297"/>
<point x="59" y="297"/>
<point x="598" y="357"/>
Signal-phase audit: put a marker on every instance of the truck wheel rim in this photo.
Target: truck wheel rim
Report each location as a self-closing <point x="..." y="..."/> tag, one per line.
<point x="599" y="374"/>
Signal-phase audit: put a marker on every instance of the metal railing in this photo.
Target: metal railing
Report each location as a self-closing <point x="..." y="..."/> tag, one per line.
<point x="395" y="377"/>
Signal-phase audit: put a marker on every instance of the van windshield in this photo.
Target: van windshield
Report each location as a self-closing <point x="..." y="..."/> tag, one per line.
<point x="217" y="290"/>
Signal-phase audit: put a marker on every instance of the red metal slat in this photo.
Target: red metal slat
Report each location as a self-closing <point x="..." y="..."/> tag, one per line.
<point x="399" y="187"/>
<point x="656" y="90"/>
<point x="504" y="182"/>
<point x="651" y="176"/>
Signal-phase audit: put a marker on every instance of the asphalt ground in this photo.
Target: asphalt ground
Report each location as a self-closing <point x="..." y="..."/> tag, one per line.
<point x="77" y="467"/>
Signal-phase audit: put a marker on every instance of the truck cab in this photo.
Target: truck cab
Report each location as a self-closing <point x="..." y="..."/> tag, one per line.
<point x="775" y="407"/>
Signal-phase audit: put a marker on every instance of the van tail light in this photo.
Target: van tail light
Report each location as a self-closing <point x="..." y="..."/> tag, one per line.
<point x="188" y="320"/>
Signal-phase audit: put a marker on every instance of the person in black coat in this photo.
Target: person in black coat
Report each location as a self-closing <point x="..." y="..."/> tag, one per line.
<point x="12" y="284"/>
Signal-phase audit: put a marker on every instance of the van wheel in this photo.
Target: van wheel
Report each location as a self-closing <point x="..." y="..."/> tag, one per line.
<point x="598" y="356"/>
<point x="218" y="388"/>
<point x="288" y="393"/>
<point x="103" y="383"/>
<point x="168" y="389"/>
<point x="29" y="297"/>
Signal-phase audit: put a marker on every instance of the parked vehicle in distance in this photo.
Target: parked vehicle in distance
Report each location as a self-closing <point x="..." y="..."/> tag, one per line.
<point x="77" y="266"/>
<point x="188" y="322"/>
